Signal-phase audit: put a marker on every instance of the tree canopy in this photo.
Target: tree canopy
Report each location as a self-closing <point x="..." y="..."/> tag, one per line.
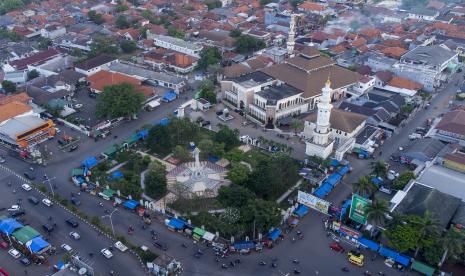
<point x="239" y="174"/>
<point x="155" y="181"/>
<point x="247" y="43"/>
<point x="209" y="56"/>
<point x="403" y="179"/>
<point x="95" y="17"/>
<point x="229" y="137"/>
<point x="119" y="100"/>
<point x="8" y="86"/>
<point x="32" y="74"/>
<point x="235" y="196"/>
<point x="235" y="33"/>
<point x="122" y="22"/>
<point x="103" y="45"/>
<point x="10" y="5"/>
<point x="128" y="46"/>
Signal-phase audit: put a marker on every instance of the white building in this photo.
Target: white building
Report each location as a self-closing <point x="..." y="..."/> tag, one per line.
<point x="94" y="65"/>
<point x="321" y="144"/>
<point x="52" y="32"/>
<point x="176" y="44"/>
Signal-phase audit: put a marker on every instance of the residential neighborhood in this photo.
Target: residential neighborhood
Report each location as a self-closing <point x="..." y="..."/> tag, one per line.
<point x="220" y="137"/>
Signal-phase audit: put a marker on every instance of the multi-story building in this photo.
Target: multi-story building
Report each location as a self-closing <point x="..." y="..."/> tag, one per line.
<point x="177" y="44"/>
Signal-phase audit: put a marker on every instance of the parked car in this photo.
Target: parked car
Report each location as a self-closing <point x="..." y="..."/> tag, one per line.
<point x="75" y="201"/>
<point x="355" y="257"/>
<point x="25" y="261"/>
<point x="71" y="222"/>
<point x="14" y="253"/>
<point x="18" y="214"/>
<point x="106" y="253"/>
<point x="26" y="187"/>
<point x="2" y="159"/>
<point x="66" y="247"/>
<point x="30" y="175"/>
<point x="385" y="190"/>
<point x="14" y="208"/>
<point x="4" y="245"/>
<point x="121" y="246"/>
<point x="74" y="235"/>
<point x="163" y="246"/>
<point x="73" y="148"/>
<point x="336" y="247"/>
<point x="47" y="202"/>
<point x="33" y="200"/>
<point x="48" y="227"/>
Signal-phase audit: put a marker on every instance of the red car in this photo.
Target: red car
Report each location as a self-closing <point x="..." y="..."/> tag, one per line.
<point x="337" y="247"/>
<point x="4" y="245"/>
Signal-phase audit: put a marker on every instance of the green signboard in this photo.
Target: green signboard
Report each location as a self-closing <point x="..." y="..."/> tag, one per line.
<point x="359" y="209"/>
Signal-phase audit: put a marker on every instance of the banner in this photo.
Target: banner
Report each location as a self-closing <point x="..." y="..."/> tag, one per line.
<point x="359" y="209"/>
<point x="313" y="202"/>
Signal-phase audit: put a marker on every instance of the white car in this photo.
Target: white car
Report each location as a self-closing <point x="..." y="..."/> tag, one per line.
<point x="74" y="235"/>
<point x="14" y="208"/>
<point x="105" y="252"/>
<point x="14" y="253"/>
<point x="66" y="247"/>
<point x="121" y="246"/>
<point x="26" y="187"/>
<point x="47" y="202"/>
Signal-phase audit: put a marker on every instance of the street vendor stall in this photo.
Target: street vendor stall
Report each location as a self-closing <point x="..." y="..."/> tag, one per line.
<point x="198" y="233"/>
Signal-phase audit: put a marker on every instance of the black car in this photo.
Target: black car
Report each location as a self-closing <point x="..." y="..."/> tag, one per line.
<point x="163" y="246"/>
<point x="25" y="261"/>
<point x="17" y="214"/>
<point x="48" y="227"/>
<point x="75" y="201"/>
<point x="73" y="148"/>
<point x="72" y="222"/>
<point x="33" y="200"/>
<point x="30" y="175"/>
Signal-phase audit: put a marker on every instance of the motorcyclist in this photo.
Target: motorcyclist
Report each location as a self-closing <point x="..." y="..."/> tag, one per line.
<point x="295" y="261"/>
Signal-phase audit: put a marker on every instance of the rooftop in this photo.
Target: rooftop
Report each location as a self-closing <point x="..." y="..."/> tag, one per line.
<point x="453" y="121"/>
<point x="341" y="119"/>
<point x="274" y="93"/>
<point x="445" y="180"/>
<point x="21" y="64"/>
<point x="252" y="79"/>
<point x="95" y="62"/>
<point x="432" y="55"/>
<point x="13" y="109"/>
<point x="179" y="42"/>
<point x="141" y="72"/>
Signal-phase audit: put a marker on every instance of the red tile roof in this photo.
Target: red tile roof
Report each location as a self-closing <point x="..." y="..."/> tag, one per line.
<point x="103" y="78"/>
<point x="311" y="6"/>
<point x="22" y="64"/>
<point x="405" y="83"/>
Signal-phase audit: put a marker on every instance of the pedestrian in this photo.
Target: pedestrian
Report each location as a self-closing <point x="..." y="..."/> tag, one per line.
<point x="25" y="271"/>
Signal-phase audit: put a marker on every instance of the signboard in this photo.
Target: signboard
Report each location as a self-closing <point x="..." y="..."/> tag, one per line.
<point x="349" y="232"/>
<point x="359" y="209"/>
<point x="313" y="202"/>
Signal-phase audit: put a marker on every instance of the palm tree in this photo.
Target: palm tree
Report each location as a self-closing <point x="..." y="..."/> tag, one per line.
<point x="452" y="243"/>
<point x="363" y="186"/>
<point x="377" y="212"/>
<point x="427" y="227"/>
<point x="297" y="125"/>
<point x="379" y="169"/>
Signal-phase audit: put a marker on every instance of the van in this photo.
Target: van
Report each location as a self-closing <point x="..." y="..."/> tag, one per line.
<point x="355" y="258"/>
<point x="47" y="202"/>
<point x="33" y="200"/>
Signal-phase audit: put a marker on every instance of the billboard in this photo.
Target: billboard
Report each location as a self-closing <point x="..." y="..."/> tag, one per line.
<point x="313" y="202"/>
<point x="359" y="209"/>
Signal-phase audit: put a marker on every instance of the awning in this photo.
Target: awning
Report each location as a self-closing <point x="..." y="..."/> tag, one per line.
<point x="143" y="134"/>
<point x="244" y="245"/>
<point x="131" y="140"/>
<point x="273" y="235"/>
<point x="108" y="192"/>
<point x="422" y="268"/>
<point x="153" y="104"/>
<point x="9" y="225"/>
<point x="343" y="170"/>
<point x="294" y="221"/>
<point x="25" y="234"/>
<point x="369" y="244"/>
<point x="131" y="204"/>
<point x="169" y="96"/>
<point x="164" y="122"/>
<point x="89" y="162"/>
<point x="76" y="172"/>
<point x="37" y="244"/>
<point x="403" y="260"/>
<point x="208" y="236"/>
<point x="116" y="175"/>
<point x="334" y="162"/>
<point x="111" y="150"/>
<point x="176" y="224"/>
<point x="333" y="179"/>
<point x="199" y="231"/>
<point x="377" y="181"/>
<point x="388" y="253"/>
<point x="301" y="211"/>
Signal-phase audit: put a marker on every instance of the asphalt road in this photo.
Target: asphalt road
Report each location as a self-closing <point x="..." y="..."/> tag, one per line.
<point x="313" y="251"/>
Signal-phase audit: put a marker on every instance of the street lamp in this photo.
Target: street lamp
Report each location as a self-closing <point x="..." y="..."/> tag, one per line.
<point x="48" y="180"/>
<point x="111" y="221"/>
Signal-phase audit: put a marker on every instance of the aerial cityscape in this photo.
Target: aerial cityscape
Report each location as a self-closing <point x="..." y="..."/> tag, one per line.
<point x="232" y="137"/>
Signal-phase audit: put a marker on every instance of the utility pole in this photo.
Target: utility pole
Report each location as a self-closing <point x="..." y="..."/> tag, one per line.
<point x="111" y="220"/>
<point x="48" y="180"/>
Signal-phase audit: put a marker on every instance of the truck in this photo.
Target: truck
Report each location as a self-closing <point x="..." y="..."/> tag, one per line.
<point x="415" y="136"/>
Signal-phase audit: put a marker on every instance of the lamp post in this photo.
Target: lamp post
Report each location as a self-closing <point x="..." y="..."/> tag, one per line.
<point x="111" y="221"/>
<point x="48" y="180"/>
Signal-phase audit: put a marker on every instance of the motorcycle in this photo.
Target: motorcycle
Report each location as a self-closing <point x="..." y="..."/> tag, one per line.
<point x="345" y="269"/>
<point x="296" y="271"/>
<point x="262" y="263"/>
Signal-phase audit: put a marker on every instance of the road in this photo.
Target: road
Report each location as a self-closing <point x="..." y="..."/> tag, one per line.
<point x="313" y="251"/>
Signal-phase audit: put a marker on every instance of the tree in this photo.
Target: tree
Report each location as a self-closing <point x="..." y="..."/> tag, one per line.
<point x="402" y="237"/>
<point x="32" y="74"/>
<point x="403" y="179"/>
<point x="182" y="153"/>
<point x="155" y="181"/>
<point x="209" y="56"/>
<point x="10" y="5"/>
<point x="176" y="33"/>
<point x="122" y="22"/>
<point x="45" y="43"/>
<point x="297" y="125"/>
<point x="95" y="17"/>
<point x="295" y="3"/>
<point x="234" y="155"/>
<point x="235" y="33"/>
<point x="452" y="243"/>
<point x="4" y="33"/>
<point x="210" y="148"/>
<point x="227" y="136"/>
<point x="377" y="212"/>
<point x="9" y="86"/>
<point x="159" y="140"/>
<point x="234" y="196"/>
<point x="247" y="43"/>
<point x="363" y="186"/>
<point x="213" y="4"/>
<point x="103" y="45"/>
<point x="379" y="169"/>
<point x="121" y="8"/>
<point x="262" y="214"/>
<point x="238" y="174"/>
<point x="128" y="46"/>
<point x="209" y="95"/>
<point x="119" y="100"/>
<point x="427" y="228"/>
<point x="264" y="2"/>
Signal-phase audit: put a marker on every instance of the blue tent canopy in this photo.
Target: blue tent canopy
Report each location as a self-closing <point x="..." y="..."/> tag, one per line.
<point x="244" y="245"/>
<point x="389" y="253"/>
<point x="89" y="162"/>
<point x="333" y="179"/>
<point x="301" y="211"/>
<point x="169" y="96"/>
<point x="143" y="134"/>
<point x="403" y="260"/>
<point x="345" y="207"/>
<point x="131" y="204"/>
<point x="213" y="159"/>
<point x="273" y="235"/>
<point x="8" y="226"/>
<point x="164" y="122"/>
<point x="38" y="244"/>
<point x="116" y="175"/>
<point x="319" y="193"/>
<point x="369" y="244"/>
<point x="176" y="224"/>
<point x="343" y="170"/>
<point x="377" y="181"/>
<point x="60" y="265"/>
<point x="334" y="162"/>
